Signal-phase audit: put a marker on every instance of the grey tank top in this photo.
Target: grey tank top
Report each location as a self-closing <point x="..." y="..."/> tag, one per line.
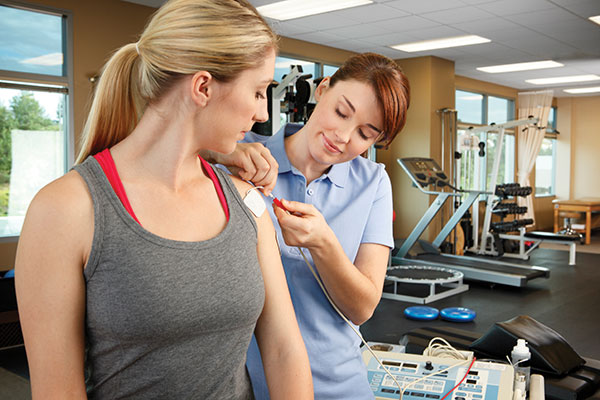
<point x="168" y="319"/>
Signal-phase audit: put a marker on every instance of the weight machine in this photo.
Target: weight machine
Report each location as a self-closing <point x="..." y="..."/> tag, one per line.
<point x="294" y="96"/>
<point x="495" y="234"/>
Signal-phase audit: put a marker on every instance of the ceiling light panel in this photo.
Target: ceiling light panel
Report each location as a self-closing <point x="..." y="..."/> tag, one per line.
<point x="564" y="79"/>
<point x="595" y="19"/>
<point x="445" y="43"/>
<point x="290" y="9"/>
<point x="494" y="69"/>
<point x="583" y="90"/>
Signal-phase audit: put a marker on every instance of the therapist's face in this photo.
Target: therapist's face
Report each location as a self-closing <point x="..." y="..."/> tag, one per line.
<point x="346" y="121"/>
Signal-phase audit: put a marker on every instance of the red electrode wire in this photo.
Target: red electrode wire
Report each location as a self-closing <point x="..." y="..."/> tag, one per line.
<point x="461" y="381"/>
<point x="279" y="204"/>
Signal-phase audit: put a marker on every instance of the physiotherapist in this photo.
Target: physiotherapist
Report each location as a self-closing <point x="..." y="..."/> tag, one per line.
<point x="340" y="214"/>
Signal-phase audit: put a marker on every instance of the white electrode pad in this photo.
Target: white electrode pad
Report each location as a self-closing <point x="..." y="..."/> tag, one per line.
<point x="255" y="202"/>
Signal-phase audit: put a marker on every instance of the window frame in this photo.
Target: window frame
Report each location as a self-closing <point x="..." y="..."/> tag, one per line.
<point x="48" y="83"/>
<point x="551" y="134"/>
<point x="318" y="63"/>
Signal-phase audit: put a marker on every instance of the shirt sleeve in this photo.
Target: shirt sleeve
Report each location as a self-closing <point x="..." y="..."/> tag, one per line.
<point x="252" y="137"/>
<point x="379" y="227"/>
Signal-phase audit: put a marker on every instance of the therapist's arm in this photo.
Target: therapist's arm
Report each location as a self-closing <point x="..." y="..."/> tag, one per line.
<point x="355" y="287"/>
<point x="250" y="161"/>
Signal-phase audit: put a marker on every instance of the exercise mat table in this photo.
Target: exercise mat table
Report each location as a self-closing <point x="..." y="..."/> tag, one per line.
<point x="434" y="277"/>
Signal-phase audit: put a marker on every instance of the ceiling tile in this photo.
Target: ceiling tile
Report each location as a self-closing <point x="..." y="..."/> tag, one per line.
<point x="351" y="44"/>
<point x="497" y="52"/>
<point x="371" y="13"/>
<point x="437" y="32"/>
<point x="420" y="6"/>
<point x="475" y="2"/>
<point x="407" y="23"/>
<point x="584" y="8"/>
<point x="320" y="22"/>
<point x="542" y="47"/>
<point x="320" y="37"/>
<point x="504" y="35"/>
<point x="543" y="17"/>
<point x="509" y="7"/>
<point x="481" y="26"/>
<point x="289" y="29"/>
<point x="389" y="39"/>
<point x="457" y="15"/>
<point x="358" y="31"/>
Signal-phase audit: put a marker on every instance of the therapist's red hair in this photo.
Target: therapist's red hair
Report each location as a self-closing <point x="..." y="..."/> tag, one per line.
<point x="389" y="83"/>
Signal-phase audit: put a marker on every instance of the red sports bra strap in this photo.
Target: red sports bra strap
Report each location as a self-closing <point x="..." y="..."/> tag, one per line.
<point x="107" y="163"/>
<point x="213" y="177"/>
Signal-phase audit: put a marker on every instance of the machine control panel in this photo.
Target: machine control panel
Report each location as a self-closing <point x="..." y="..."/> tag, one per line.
<point x="485" y="380"/>
<point x="424" y="172"/>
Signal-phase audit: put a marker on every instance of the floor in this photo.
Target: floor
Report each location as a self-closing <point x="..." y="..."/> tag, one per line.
<point x="567" y="302"/>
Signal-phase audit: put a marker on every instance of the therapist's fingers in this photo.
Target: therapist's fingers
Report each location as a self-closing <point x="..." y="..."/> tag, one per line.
<point x="257" y="164"/>
<point x="267" y="170"/>
<point x="303" y="225"/>
<point x="296" y="207"/>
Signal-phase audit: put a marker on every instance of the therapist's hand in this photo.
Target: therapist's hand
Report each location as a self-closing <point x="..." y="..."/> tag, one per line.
<point x="303" y="225"/>
<point x="251" y="162"/>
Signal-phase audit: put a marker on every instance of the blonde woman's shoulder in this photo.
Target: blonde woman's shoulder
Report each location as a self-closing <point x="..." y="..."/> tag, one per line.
<point x="61" y="213"/>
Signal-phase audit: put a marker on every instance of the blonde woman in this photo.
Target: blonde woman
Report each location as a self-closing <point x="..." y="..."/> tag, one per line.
<point x="142" y="266"/>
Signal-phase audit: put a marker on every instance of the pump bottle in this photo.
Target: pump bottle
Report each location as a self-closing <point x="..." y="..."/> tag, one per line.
<point x="521" y="357"/>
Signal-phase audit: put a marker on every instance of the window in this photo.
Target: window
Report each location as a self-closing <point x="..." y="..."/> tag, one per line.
<point x="545" y="167"/>
<point x="283" y="64"/>
<point x="551" y="127"/>
<point x="545" y="163"/>
<point x="470" y="107"/>
<point x="329" y="70"/>
<point x="475" y="110"/>
<point x="499" y="110"/>
<point x="36" y="143"/>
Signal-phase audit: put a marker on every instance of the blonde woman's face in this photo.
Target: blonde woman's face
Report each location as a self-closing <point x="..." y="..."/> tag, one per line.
<point x="240" y="104"/>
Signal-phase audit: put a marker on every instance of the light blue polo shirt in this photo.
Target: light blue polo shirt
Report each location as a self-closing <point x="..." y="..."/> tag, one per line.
<point x="355" y="197"/>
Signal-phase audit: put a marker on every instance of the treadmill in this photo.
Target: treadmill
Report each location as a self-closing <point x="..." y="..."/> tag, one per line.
<point x="425" y="172"/>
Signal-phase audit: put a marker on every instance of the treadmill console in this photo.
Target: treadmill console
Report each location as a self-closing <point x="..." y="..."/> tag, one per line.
<point x="424" y="172"/>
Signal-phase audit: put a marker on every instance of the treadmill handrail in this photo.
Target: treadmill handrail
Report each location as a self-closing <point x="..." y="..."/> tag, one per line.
<point x="433" y="192"/>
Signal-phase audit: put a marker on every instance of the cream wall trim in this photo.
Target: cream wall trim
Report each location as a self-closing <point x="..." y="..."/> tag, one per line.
<point x="432" y="87"/>
<point x="469" y="84"/>
<point x="585" y="134"/>
<point x="564" y="149"/>
<point x="312" y="51"/>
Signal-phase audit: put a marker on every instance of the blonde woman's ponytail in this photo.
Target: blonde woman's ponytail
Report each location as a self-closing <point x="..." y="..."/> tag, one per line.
<point x="223" y="37"/>
<point x="116" y="106"/>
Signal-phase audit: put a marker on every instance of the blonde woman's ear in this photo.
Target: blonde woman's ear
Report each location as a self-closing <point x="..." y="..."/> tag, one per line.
<point x="202" y="87"/>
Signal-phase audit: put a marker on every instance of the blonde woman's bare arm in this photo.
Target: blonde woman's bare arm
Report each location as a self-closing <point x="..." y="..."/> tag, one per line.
<point x="52" y="251"/>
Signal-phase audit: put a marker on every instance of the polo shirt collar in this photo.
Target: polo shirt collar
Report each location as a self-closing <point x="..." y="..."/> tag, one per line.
<point x="338" y="173"/>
